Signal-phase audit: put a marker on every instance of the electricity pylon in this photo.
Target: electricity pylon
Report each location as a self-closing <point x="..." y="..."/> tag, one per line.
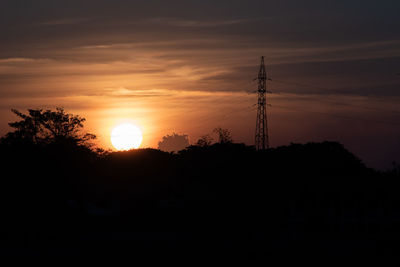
<point x="261" y="141"/>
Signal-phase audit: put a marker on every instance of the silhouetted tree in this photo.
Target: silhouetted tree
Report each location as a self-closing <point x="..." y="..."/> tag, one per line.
<point x="174" y="142"/>
<point x="204" y="141"/>
<point x="396" y="168"/>
<point x="48" y="126"/>
<point x="224" y="136"/>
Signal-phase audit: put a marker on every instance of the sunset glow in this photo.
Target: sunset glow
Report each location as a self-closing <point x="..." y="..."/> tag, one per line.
<point x="126" y="136"/>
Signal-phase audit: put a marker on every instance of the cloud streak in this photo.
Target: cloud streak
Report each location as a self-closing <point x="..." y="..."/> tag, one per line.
<point x="65" y="21"/>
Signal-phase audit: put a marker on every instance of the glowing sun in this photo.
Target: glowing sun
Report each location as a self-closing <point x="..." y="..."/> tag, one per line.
<point x="126" y="136"/>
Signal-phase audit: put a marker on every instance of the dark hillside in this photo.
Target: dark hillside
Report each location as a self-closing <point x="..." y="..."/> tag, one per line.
<point x="216" y="201"/>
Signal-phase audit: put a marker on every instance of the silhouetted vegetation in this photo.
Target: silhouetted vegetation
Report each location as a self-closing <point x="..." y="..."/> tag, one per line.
<point x="224" y="136"/>
<point x="214" y="201"/>
<point x="44" y="127"/>
<point x="205" y="140"/>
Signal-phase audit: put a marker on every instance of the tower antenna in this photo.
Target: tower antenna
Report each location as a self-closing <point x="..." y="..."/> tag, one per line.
<point x="261" y="138"/>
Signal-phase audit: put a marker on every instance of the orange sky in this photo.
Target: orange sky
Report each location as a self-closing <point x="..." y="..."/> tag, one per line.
<point x="354" y="120"/>
<point x="162" y="96"/>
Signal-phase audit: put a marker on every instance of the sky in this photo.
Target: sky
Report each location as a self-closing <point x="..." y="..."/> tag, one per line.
<point x="189" y="67"/>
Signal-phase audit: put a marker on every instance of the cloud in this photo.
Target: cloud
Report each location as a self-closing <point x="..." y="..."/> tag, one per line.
<point x="125" y="45"/>
<point x="21" y="60"/>
<point x="178" y="22"/>
<point x="132" y="93"/>
<point x="65" y="21"/>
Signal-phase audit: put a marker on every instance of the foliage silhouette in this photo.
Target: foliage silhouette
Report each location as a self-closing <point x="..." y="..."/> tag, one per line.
<point x="48" y="126"/>
<point x="223" y="200"/>
<point x="224" y="136"/>
<point x="204" y="141"/>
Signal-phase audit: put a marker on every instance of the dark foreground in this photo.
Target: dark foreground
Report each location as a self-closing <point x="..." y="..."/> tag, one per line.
<point x="225" y="203"/>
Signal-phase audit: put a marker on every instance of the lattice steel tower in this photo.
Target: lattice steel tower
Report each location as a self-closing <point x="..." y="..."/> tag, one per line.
<point x="261" y="125"/>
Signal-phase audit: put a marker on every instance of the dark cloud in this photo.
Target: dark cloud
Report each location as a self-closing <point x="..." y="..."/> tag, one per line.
<point x="276" y="21"/>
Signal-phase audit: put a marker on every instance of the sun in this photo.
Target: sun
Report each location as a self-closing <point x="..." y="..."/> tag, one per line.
<point x="126" y="136"/>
